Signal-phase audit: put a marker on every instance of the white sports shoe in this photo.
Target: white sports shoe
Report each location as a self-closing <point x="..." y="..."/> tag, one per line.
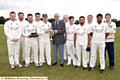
<point x="68" y="64"/>
<point x="37" y="65"/>
<point x="19" y="65"/>
<point x="12" y="66"/>
<point x="41" y="63"/>
<point x="31" y="61"/>
<point x="26" y="65"/>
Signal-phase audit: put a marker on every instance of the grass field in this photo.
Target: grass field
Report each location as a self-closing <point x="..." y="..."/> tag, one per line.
<point x="58" y="72"/>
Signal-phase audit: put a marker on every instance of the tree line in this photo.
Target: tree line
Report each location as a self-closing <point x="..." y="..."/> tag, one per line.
<point x="3" y="20"/>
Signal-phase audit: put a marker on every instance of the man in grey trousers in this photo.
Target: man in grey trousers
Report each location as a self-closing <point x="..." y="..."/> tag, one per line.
<point x="58" y="39"/>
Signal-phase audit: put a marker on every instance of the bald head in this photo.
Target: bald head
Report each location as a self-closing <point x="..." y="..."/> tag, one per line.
<point x="56" y="16"/>
<point x="65" y="17"/>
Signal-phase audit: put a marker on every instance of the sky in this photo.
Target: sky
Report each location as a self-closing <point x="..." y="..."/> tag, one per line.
<point x="74" y="8"/>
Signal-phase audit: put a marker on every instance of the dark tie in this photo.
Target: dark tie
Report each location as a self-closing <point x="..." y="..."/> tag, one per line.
<point x="56" y="24"/>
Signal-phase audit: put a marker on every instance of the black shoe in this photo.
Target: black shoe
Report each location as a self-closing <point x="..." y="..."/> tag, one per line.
<point x="84" y="68"/>
<point x="90" y="69"/>
<point x="101" y="70"/>
<point x="54" y="63"/>
<point x="62" y="65"/>
<point x="112" y="67"/>
<point x="76" y="66"/>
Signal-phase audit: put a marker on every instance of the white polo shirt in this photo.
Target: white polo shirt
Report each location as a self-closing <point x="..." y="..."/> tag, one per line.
<point x="99" y="31"/>
<point x="66" y="23"/>
<point x="70" y="30"/>
<point x="12" y="29"/>
<point x="112" y="31"/>
<point x="37" y="23"/>
<point x="23" y="24"/>
<point x="82" y="34"/>
<point x="29" y="28"/>
<point x="42" y="28"/>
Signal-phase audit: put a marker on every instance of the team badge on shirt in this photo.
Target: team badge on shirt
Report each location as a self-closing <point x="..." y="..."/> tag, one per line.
<point x="95" y="26"/>
<point x="78" y="28"/>
<point x="48" y="25"/>
<point x="16" y="23"/>
<point x="42" y="25"/>
<point x="68" y="27"/>
<point x="102" y="26"/>
<point x="10" y="23"/>
<point x="27" y="25"/>
<point x="33" y="26"/>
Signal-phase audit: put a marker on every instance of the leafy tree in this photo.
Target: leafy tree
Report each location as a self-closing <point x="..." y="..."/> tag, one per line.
<point x="118" y="23"/>
<point x="76" y="22"/>
<point x="51" y="20"/>
<point x="7" y="19"/>
<point x="2" y="20"/>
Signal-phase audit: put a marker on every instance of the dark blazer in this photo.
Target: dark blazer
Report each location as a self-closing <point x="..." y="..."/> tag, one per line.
<point x="59" y="37"/>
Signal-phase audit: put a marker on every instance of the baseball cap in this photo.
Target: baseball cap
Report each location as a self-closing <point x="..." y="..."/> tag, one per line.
<point x="44" y="15"/>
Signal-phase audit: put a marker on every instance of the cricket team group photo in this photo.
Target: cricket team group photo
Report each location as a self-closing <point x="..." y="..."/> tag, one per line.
<point x="77" y="44"/>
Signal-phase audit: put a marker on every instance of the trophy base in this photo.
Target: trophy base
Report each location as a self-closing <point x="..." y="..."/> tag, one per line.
<point x="34" y="35"/>
<point x="88" y="49"/>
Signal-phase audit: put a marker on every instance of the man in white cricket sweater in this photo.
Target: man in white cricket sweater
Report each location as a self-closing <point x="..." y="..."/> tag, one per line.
<point x="44" y="42"/>
<point x="89" y="23"/>
<point x="30" y="41"/>
<point x="12" y="30"/>
<point x="22" y="38"/>
<point x="66" y="20"/>
<point x="110" y="40"/>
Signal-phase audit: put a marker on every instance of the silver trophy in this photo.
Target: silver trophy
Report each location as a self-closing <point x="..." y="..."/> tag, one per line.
<point x="51" y="33"/>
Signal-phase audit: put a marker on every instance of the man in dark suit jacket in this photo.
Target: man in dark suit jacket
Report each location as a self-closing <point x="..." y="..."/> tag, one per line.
<point x="58" y="39"/>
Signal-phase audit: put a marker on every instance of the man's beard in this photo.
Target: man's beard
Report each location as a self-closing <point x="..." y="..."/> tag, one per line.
<point x="99" y="22"/>
<point x="20" y="19"/>
<point x="82" y="23"/>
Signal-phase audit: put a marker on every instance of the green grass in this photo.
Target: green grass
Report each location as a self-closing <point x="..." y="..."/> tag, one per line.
<point x="57" y="72"/>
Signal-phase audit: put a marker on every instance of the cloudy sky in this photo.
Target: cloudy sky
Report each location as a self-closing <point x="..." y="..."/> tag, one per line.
<point x="70" y="7"/>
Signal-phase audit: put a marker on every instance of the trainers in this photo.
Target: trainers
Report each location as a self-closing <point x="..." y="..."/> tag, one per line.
<point x="101" y="70"/>
<point x="26" y="65"/>
<point x="68" y="64"/>
<point x="84" y="68"/>
<point x="37" y="65"/>
<point x="18" y="65"/>
<point x="76" y="66"/>
<point x="41" y="64"/>
<point x="90" y="69"/>
<point x="31" y="61"/>
<point x="112" y="67"/>
<point x="12" y="66"/>
<point x="49" y="64"/>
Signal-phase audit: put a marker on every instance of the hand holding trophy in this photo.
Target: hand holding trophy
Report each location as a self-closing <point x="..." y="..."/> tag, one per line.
<point x="51" y="33"/>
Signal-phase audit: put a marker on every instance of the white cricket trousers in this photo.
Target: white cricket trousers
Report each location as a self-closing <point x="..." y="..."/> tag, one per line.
<point x="101" y="49"/>
<point x="44" y="45"/>
<point x="22" y="45"/>
<point x="31" y="43"/>
<point x="82" y="49"/>
<point x="13" y="52"/>
<point x="71" y="50"/>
